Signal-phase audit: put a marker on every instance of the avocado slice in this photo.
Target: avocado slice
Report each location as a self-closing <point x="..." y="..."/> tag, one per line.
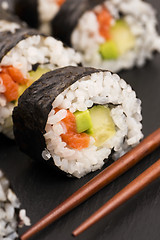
<point x="122" y="36"/>
<point x="109" y="50"/>
<point x="35" y="75"/>
<point x="103" y="126"/>
<point x="83" y="121"/>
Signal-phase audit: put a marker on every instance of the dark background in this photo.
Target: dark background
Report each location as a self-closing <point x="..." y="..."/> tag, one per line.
<point x="40" y="190"/>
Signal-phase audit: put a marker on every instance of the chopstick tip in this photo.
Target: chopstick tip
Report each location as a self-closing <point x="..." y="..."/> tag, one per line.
<point x="74" y="233"/>
<point x="78" y="230"/>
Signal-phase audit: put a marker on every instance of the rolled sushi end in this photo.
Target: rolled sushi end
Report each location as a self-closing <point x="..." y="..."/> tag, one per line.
<point x="96" y="115"/>
<point x="116" y="36"/>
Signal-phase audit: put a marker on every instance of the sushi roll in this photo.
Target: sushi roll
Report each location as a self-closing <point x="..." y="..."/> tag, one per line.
<point x="11" y="216"/>
<point x="110" y="34"/>
<point x="76" y="117"/>
<point x="25" y="55"/>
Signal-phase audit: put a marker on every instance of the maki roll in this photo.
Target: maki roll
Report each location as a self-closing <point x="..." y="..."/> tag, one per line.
<point x="76" y="117"/>
<point x="110" y="34"/>
<point x="25" y="55"/>
<point x="11" y="217"/>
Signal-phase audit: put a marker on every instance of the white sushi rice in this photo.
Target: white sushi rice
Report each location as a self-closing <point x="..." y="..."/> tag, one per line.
<point x="10" y="219"/>
<point x="141" y="19"/>
<point x="47" y="10"/>
<point x="99" y="88"/>
<point x="46" y="51"/>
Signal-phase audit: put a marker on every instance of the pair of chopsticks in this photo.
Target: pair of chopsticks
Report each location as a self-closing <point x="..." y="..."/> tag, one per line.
<point x="143" y="180"/>
<point x="116" y="169"/>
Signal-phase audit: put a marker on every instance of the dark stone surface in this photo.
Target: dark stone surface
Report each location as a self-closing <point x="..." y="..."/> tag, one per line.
<point x="40" y="190"/>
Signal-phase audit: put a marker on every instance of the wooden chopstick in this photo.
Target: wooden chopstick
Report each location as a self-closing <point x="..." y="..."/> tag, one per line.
<point x="116" y="169"/>
<point x="139" y="183"/>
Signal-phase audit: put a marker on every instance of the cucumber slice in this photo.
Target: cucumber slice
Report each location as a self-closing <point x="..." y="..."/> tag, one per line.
<point x="103" y="125"/>
<point x="35" y="75"/>
<point x="122" y="36"/>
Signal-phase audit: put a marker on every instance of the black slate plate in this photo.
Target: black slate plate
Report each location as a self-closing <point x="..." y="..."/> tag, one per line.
<point x="40" y="190"/>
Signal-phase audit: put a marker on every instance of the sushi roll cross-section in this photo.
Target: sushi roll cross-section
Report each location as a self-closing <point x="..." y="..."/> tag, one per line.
<point x="76" y="117"/>
<point x="112" y="34"/>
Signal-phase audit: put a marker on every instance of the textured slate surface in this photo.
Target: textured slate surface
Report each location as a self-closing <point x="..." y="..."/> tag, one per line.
<point x="40" y="190"/>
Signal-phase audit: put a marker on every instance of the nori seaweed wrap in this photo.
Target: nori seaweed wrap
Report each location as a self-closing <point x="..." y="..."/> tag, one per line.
<point x="110" y="34"/>
<point x="25" y="54"/>
<point x="75" y="117"/>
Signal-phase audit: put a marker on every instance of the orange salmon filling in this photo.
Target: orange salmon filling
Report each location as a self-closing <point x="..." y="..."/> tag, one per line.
<point x="11" y="92"/>
<point x="104" y="18"/>
<point x="71" y="137"/>
<point x="60" y="2"/>
<point x="11" y="78"/>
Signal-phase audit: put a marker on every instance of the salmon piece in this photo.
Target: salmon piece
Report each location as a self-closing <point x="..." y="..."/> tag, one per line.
<point x="76" y="140"/>
<point x="11" y="92"/>
<point x="71" y="137"/>
<point x="104" y="18"/>
<point x="16" y="75"/>
<point x="60" y="2"/>
<point x="70" y="122"/>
